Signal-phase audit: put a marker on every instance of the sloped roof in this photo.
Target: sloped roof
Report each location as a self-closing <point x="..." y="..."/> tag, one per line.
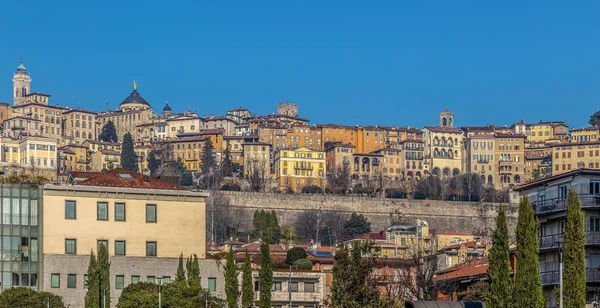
<point x="452" y="232"/>
<point x="438" y="129"/>
<point x="121" y="177"/>
<point x="475" y="267"/>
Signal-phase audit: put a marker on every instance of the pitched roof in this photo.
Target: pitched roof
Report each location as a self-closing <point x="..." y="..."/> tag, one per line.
<point x="469" y="244"/>
<point x="452" y="232"/>
<point x="438" y="129"/>
<point x="121" y="177"/>
<point x="474" y="267"/>
<point x="371" y="235"/>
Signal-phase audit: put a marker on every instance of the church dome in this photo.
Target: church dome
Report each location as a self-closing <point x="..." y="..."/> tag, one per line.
<point x="134" y="99"/>
<point x="167" y="108"/>
<point x="21" y="67"/>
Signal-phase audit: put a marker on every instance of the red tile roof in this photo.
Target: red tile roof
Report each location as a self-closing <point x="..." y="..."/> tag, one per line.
<point x="371" y="235"/>
<point x="113" y="178"/>
<point x="451" y="232"/>
<point x="475" y="267"/>
<point x="84" y="175"/>
<point x="444" y="129"/>
<point x="470" y="244"/>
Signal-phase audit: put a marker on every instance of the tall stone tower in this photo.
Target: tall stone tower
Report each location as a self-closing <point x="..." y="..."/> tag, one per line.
<point x="446" y="118"/>
<point x="21" y="84"/>
<point x="288" y="108"/>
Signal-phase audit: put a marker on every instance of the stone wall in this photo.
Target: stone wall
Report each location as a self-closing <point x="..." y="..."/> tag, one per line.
<point x="469" y="217"/>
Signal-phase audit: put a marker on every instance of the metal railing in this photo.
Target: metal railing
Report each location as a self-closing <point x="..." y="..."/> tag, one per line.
<point x="552" y="241"/>
<point x="553" y="277"/>
<point x="560" y="204"/>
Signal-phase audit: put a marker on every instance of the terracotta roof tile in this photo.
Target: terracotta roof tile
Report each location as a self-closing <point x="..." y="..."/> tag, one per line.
<point x="451" y="232"/>
<point x="475" y="267"/>
<point x="114" y="178"/>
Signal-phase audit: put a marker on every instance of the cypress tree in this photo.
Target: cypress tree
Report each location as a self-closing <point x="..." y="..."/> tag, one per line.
<point x="193" y="270"/>
<point x="500" y="286"/>
<point x="528" y="285"/>
<point x="109" y="132"/>
<point x="341" y="278"/>
<point x="92" y="297"/>
<point x="574" y="254"/>
<point x="208" y="165"/>
<point x="247" y="288"/>
<point x="265" y="276"/>
<point x="153" y="163"/>
<point x="273" y="228"/>
<point x="129" y="160"/>
<point x="180" y="271"/>
<point x="104" y="266"/>
<point x="231" y="280"/>
<point x="226" y="164"/>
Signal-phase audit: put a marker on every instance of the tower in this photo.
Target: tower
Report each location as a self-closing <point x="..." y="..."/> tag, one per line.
<point x="446" y="118"/>
<point x="21" y="84"/>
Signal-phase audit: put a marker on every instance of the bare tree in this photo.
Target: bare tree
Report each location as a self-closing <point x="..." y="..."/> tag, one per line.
<point x="222" y="220"/>
<point x="416" y="278"/>
<point x="408" y="187"/>
<point x="256" y="175"/>
<point x="339" y="179"/>
<point x="32" y="166"/>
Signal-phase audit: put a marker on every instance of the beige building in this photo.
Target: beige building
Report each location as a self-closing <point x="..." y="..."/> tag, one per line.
<point x="105" y="160"/>
<point x="30" y="155"/>
<point x="479" y="157"/>
<point x="570" y="156"/>
<point x="44" y="120"/>
<point x="5" y="111"/>
<point x="585" y="134"/>
<point x="133" y="111"/>
<point x="412" y="162"/>
<point x="21" y="84"/>
<point x="185" y="123"/>
<point x="79" y="126"/>
<point x="306" y="288"/>
<point x="542" y="131"/>
<point x="257" y="154"/>
<point x="301" y="167"/>
<point x="220" y="122"/>
<point x="145" y="224"/>
<point x="510" y="155"/>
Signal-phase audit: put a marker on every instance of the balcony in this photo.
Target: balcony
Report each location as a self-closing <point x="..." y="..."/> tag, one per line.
<point x="553" y="277"/>
<point x="483" y="161"/>
<point x="550" y="241"/>
<point x="559" y="204"/>
<point x="505" y="163"/>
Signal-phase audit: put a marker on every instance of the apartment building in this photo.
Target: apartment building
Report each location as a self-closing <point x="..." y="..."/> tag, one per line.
<point x="479" y="156"/>
<point x="103" y="160"/>
<point x="584" y="134"/>
<point x="144" y="223"/>
<point x="303" y="289"/>
<point x="79" y="126"/>
<point x="443" y="150"/>
<point x="257" y="155"/>
<point x="412" y="160"/>
<point x="296" y="168"/>
<point x="571" y="156"/>
<point x="549" y="198"/>
<point x="509" y="152"/>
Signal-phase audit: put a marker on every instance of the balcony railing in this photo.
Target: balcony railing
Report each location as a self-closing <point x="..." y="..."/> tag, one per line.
<point x="551" y="241"/>
<point x="553" y="277"/>
<point x="559" y="204"/>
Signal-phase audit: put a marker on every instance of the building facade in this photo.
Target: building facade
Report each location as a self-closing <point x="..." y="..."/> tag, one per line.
<point x="301" y="167"/>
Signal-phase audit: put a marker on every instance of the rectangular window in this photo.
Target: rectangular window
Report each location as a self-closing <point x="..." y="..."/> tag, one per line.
<point x="120" y="248"/>
<point x="166" y="279"/>
<point x="309" y="287"/>
<point x="119" y="282"/>
<point x="150" y="279"/>
<point x="119" y="211"/>
<point x="71" y="281"/>
<point x="85" y="281"/>
<point x="293" y="287"/>
<point x="70" y="246"/>
<point x="102" y="210"/>
<point x="594" y="224"/>
<point x="212" y="284"/>
<point x="150" y="212"/>
<point x="135" y="279"/>
<point x="55" y="281"/>
<point x="150" y="249"/>
<point x="276" y="286"/>
<point x="594" y="188"/>
<point x="70" y="210"/>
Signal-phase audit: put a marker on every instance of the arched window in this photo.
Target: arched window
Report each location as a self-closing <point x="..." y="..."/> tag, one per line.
<point x="23" y="91"/>
<point x="490" y="180"/>
<point x="517" y="179"/>
<point x="444" y="122"/>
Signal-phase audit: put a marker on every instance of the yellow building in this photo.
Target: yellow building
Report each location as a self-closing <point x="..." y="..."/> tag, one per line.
<point x="412" y="162"/>
<point x="46" y="119"/>
<point x="297" y="168"/>
<point x="585" y="134"/>
<point x="538" y="163"/>
<point x="257" y="155"/>
<point x="479" y="157"/>
<point x="570" y="156"/>
<point x="30" y="155"/>
<point x="391" y="166"/>
<point x="73" y="158"/>
<point x="448" y="238"/>
<point x="510" y="155"/>
<point x="185" y="123"/>
<point x="79" y="126"/>
<point x="144" y="223"/>
<point x="442" y="150"/>
<point x="544" y="131"/>
<point x="94" y="145"/>
<point x="105" y="160"/>
<point x="5" y="111"/>
<point x="369" y="138"/>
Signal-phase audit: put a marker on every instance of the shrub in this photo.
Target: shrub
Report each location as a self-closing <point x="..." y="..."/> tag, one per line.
<point x="295" y="254"/>
<point x="312" y="189"/>
<point x="303" y="264"/>
<point x="231" y="187"/>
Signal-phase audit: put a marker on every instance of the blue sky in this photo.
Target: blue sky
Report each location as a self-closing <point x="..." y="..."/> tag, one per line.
<point x="350" y="62"/>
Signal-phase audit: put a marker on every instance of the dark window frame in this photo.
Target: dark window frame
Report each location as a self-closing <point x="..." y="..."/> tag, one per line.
<point x="98" y="210"/>
<point x="74" y="209"/>
<point x="74" y="285"/>
<point x="75" y="242"/>
<point x="124" y="247"/>
<point x="155" y="248"/>
<point x="155" y="213"/>
<point x="124" y="211"/>
<point x="52" y="282"/>
<point x="122" y="280"/>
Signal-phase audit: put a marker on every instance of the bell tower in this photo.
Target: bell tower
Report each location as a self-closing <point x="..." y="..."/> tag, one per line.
<point x="446" y="118"/>
<point x="21" y="85"/>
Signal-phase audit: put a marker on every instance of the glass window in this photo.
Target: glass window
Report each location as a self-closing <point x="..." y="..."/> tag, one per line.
<point x="119" y="211"/>
<point x="294" y="287"/>
<point x="309" y="287"/>
<point x="150" y="249"/>
<point x="120" y="248"/>
<point x="55" y="281"/>
<point x="70" y="246"/>
<point x="135" y="279"/>
<point x="276" y="286"/>
<point x="71" y="281"/>
<point x="70" y="210"/>
<point x="119" y="282"/>
<point x="166" y="279"/>
<point x="594" y="224"/>
<point x="150" y="279"/>
<point x="85" y="281"/>
<point x="150" y="212"/>
<point x="102" y="210"/>
<point x="212" y="284"/>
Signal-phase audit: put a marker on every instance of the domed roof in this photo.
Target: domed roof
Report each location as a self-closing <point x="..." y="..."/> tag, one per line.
<point x="167" y="108"/>
<point x="134" y="99"/>
<point x="21" y="67"/>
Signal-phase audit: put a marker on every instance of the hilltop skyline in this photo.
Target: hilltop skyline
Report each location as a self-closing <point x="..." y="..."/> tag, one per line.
<point x="343" y="64"/>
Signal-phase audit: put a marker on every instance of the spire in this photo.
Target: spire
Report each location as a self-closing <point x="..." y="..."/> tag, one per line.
<point x="21" y="67"/>
<point x="134" y="85"/>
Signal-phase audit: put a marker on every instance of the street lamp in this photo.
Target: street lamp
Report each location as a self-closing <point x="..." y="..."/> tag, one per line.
<point x="159" y="291"/>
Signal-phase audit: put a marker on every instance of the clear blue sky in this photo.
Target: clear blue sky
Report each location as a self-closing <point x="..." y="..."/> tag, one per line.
<point x="350" y="62"/>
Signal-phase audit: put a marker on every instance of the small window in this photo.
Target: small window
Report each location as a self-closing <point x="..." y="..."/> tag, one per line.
<point x="594" y="224"/>
<point x="150" y="279"/>
<point x="119" y="282"/>
<point x="70" y="246"/>
<point x="55" y="281"/>
<point x="120" y="248"/>
<point x="150" y="212"/>
<point x="102" y="210"/>
<point x="70" y="210"/>
<point x="119" y="211"/>
<point x="309" y="287"/>
<point x="71" y="281"/>
<point x="294" y="287"/>
<point x="276" y="286"/>
<point x="125" y="176"/>
<point x="85" y="281"/>
<point x="212" y="284"/>
<point x="150" y="249"/>
<point x="166" y="279"/>
<point x="135" y="279"/>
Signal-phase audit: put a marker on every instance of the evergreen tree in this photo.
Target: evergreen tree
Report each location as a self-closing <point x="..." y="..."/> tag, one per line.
<point x="499" y="260"/>
<point x="259" y="223"/>
<point x="231" y="280"/>
<point x="153" y="164"/>
<point x="356" y="225"/>
<point x="341" y="279"/>
<point x="574" y="254"/>
<point x="226" y="164"/>
<point x="104" y="274"/>
<point x="273" y="229"/>
<point x="186" y="178"/>
<point x="180" y="271"/>
<point x="208" y="166"/>
<point x="193" y="270"/>
<point x="129" y="159"/>
<point x="528" y="285"/>
<point x="247" y="288"/>
<point x="265" y="275"/>
<point x="109" y="132"/>
<point x="92" y="297"/>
